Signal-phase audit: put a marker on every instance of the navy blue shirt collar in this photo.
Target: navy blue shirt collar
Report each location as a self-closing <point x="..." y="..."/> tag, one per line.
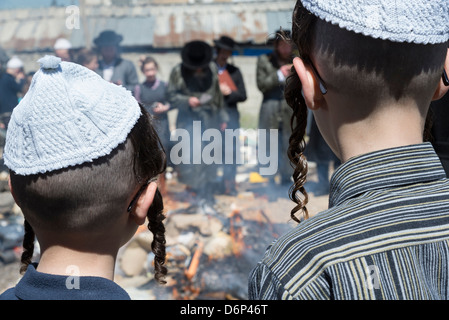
<point x="36" y="285"/>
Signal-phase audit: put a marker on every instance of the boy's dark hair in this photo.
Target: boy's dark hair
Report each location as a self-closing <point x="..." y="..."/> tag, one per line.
<point x="85" y="56"/>
<point x="88" y="197"/>
<point x="360" y="65"/>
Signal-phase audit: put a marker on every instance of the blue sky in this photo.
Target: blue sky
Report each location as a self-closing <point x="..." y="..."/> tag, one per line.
<point x="14" y="4"/>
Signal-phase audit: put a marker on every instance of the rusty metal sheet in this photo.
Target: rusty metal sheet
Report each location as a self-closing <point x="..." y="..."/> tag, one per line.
<point x="158" y="25"/>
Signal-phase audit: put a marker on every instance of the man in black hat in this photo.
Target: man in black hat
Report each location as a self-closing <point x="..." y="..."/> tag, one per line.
<point x="233" y="89"/>
<point x="272" y="71"/>
<point x="193" y="88"/>
<point x="112" y="67"/>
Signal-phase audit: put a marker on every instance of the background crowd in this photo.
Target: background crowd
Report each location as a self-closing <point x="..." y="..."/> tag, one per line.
<point x="204" y="87"/>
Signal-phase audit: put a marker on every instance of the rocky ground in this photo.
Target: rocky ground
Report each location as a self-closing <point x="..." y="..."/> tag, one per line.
<point x="210" y="249"/>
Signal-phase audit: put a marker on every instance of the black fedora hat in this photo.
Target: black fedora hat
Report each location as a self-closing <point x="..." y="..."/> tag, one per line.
<point x="196" y="54"/>
<point x="226" y="43"/>
<point x="108" y="38"/>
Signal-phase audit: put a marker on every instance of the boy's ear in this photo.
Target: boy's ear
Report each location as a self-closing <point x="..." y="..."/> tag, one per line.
<point x="310" y="85"/>
<point x="442" y="89"/>
<point x="143" y="203"/>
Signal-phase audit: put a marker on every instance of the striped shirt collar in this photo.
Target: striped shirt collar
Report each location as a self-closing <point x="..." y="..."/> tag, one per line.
<point x="384" y="169"/>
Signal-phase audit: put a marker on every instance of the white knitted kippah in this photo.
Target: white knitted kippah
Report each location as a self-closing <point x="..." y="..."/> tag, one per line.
<point x="14" y="63"/>
<point x="69" y="116"/>
<point x="414" y="21"/>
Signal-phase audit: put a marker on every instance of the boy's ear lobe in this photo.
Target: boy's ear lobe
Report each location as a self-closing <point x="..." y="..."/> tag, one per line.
<point x="310" y="86"/>
<point x="143" y="203"/>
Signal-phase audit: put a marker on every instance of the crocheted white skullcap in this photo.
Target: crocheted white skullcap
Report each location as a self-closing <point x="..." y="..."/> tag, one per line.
<point x="69" y="116"/>
<point x="62" y="43"/>
<point x="14" y="63"/>
<point x="414" y="21"/>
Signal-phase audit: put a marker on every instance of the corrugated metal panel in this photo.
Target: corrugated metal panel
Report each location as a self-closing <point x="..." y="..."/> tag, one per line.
<point x="161" y="26"/>
<point x="14" y="4"/>
<point x="279" y="19"/>
<point x="135" y="31"/>
<point x="244" y="22"/>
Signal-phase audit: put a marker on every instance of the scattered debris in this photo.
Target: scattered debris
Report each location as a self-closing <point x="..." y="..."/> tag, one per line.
<point x="210" y="249"/>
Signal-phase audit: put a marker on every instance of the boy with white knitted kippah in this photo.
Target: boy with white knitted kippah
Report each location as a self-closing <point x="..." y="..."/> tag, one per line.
<point x="83" y="158"/>
<point x="368" y="71"/>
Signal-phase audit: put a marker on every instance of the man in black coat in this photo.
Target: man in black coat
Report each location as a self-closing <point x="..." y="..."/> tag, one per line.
<point x="12" y="82"/>
<point x="272" y="70"/>
<point x="233" y="89"/>
<point x="112" y="67"/>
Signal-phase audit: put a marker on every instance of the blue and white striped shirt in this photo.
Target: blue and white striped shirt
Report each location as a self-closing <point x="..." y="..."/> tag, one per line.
<point x="384" y="236"/>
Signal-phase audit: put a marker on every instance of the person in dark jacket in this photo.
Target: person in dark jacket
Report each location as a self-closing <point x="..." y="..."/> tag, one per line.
<point x="152" y="93"/>
<point x="12" y="83"/>
<point x="112" y="67"/>
<point x="272" y="71"/>
<point x="233" y="89"/>
<point x="194" y="90"/>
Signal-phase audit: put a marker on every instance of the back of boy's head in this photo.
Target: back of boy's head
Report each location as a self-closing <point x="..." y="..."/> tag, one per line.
<point x="367" y="51"/>
<point x="78" y="199"/>
<point x="362" y="67"/>
<point x="78" y="148"/>
<point x="374" y="48"/>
